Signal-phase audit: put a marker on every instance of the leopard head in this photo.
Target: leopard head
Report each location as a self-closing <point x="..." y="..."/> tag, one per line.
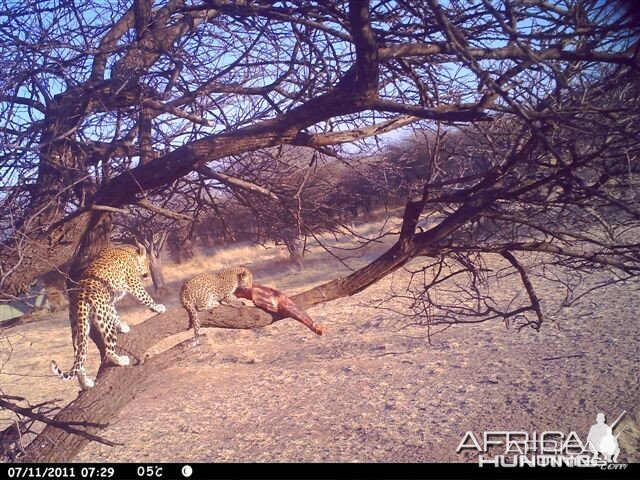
<point x="245" y="279"/>
<point x="142" y="259"/>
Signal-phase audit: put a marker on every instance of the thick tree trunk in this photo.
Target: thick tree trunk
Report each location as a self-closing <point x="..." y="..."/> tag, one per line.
<point x="35" y="253"/>
<point x="42" y="239"/>
<point x="96" y="237"/>
<point x="56" y="290"/>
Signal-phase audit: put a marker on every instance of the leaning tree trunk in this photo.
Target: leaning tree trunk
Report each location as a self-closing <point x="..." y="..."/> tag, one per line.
<point x="96" y="238"/>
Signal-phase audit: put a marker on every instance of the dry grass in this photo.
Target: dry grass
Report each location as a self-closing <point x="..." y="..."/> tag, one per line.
<point x="216" y="258"/>
<point x="371" y="389"/>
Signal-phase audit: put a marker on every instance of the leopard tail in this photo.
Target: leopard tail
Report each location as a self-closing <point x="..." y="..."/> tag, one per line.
<point x="80" y="316"/>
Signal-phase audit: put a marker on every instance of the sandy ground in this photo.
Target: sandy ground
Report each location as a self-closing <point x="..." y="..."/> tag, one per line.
<point x="369" y="390"/>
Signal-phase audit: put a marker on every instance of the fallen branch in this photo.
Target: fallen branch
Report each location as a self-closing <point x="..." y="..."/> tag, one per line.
<point x="562" y="357"/>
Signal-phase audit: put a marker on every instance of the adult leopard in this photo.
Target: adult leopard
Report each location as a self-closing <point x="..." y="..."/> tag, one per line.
<point x="115" y="272"/>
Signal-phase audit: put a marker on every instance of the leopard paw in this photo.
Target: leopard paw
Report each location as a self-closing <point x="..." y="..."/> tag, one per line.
<point x="85" y="382"/>
<point x="120" y="360"/>
<point x="124" y="328"/>
<point x="123" y="360"/>
<point x="159" y="308"/>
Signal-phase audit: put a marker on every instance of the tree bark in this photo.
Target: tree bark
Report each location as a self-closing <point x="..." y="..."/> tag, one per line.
<point x="157" y="275"/>
<point x="154" y="242"/>
<point x="38" y="252"/>
<point x="95" y="238"/>
<point x="55" y="286"/>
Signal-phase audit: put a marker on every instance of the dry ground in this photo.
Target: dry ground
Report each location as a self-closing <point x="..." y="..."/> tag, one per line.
<point x="369" y="390"/>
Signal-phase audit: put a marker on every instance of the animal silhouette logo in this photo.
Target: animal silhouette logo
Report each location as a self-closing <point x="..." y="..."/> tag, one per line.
<point x="601" y="439"/>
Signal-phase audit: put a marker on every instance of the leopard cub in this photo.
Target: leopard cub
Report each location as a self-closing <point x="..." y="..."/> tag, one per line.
<point x="208" y="290"/>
